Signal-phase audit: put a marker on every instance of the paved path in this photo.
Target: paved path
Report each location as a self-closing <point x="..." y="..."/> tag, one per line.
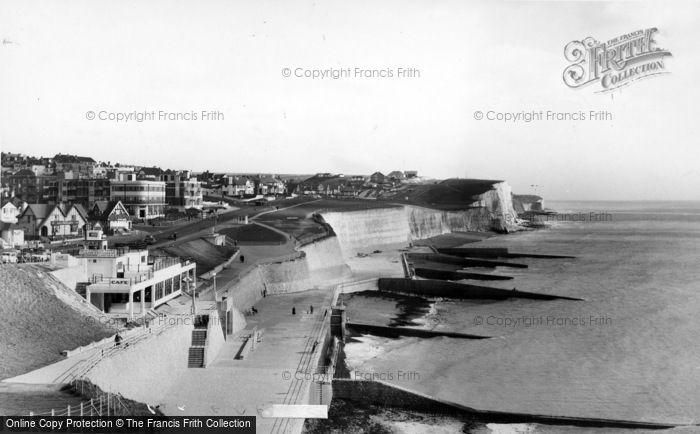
<point x="271" y="374"/>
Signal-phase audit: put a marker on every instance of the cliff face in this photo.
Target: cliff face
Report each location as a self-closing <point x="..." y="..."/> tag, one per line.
<point x="527" y="202"/>
<point x="358" y="230"/>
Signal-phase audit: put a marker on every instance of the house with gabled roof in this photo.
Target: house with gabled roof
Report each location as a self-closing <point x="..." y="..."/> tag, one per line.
<point x="111" y="215"/>
<point x="239" y="186"/>
<point x="11" y="208"/>
<point x="60" y="220"/>
<point x="377" y="178"/>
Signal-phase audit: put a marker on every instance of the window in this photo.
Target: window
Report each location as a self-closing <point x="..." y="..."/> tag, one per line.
<point x="159" y="290"/>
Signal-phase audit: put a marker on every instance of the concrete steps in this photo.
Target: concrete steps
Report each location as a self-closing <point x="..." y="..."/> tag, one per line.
<point x="196" y="357"/>
<point x="199" y="340"/>
<point x="199" y="337"/>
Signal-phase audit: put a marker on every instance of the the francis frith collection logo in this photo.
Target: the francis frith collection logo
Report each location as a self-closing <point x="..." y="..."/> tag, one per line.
<point x="615" y="63"/>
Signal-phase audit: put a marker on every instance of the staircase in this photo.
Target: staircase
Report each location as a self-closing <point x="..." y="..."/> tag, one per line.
<point x="196" y="357"/>
<point x="199" y="340"/>
<point x="199" y="337"/>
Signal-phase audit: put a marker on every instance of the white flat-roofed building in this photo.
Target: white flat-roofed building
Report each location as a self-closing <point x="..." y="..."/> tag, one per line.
<point x="128" y="283"/>
<point x="143" y="199"/>
<point x="182" y="190"/>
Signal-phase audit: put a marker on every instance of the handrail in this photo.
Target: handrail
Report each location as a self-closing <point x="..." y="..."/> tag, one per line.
<point x="83" y="367"/>
<point x="113" y="401"/>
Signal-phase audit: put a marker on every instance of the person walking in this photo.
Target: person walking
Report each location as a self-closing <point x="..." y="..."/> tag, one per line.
<point x="311" y="309"/>
<point x="294" y="310"/>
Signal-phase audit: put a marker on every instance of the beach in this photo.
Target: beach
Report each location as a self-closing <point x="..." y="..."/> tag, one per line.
<point x="627" y="352"/>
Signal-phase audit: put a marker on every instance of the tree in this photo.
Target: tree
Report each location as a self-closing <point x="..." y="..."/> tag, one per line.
<point x="193" y="212"/>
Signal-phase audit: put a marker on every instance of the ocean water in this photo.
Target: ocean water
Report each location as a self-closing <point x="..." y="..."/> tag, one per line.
<point x="629" y="351"/>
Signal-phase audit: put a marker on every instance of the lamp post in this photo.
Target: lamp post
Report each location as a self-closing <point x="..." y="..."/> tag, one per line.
<point x="187" y="280"/>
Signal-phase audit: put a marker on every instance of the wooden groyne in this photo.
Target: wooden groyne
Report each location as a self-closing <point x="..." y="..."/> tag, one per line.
<point x="389" y="395"/>
<point x="395" y="332"/>
<point x="443" y="289"/>
<point x="431" y="273"/>
<point x="494" y="252"/>
<point x="463" y="262"/>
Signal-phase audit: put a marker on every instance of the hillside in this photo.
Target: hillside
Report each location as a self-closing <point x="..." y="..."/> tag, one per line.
<point x="205" y="254"/>
<point x="42" y="317"/>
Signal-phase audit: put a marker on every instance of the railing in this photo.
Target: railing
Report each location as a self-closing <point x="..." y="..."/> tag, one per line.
<point x="105" y="404"/>
<point x="298" y="386"/>
<point x="121" y="281"/>
<point x="83" y="367"/>
<point x="163" y="263"/>
<point x="99" y="253"/>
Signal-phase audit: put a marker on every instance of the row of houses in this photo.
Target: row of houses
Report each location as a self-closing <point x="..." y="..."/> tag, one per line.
<point x="218" y="184"/>
<point x="21" y="221"/>
<point x="339" y="185"/>
<point x="146" y="192"/>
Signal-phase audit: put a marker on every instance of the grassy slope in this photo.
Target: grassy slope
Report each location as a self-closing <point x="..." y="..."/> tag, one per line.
<point x="450" y="194"/>
<point x="40" y="318"/>
<point x="204" y="253"/>
<point x="254" y="233"/>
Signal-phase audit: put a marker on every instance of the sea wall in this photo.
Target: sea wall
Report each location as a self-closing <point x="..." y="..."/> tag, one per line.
<point x="358" y="230"/>
<point x="324" y="259"/>
<point x="321" y="262"/>
<point x="145" y="371"/>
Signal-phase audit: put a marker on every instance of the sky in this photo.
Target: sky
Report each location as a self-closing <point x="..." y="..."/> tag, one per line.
<point x="61" y="61"/>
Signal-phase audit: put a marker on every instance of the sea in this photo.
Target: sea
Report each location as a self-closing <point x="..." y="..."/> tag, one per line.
<point x="630" y="350"/>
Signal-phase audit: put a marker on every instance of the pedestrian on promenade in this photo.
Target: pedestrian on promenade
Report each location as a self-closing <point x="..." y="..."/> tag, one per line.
<point x="294" y="310"/>
<point x="311" y="309"/>
<point x="117" y="340"/>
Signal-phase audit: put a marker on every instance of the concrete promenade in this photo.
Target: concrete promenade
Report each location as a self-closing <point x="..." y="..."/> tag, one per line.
<point x="271" y="374"/>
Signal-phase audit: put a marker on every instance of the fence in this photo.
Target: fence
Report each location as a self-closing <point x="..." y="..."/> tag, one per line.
<point x="100" y="404"/>
<point x="82" y="368"/>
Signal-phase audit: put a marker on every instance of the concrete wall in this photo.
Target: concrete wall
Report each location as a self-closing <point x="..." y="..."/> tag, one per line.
<point x="358" y="230"/>
<point x="324" y="259"/>
<point x="284" y="277"/>
<point x="215" y="336"/>
<point x="145" y="371"/>
<point x="70" y="276"/>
